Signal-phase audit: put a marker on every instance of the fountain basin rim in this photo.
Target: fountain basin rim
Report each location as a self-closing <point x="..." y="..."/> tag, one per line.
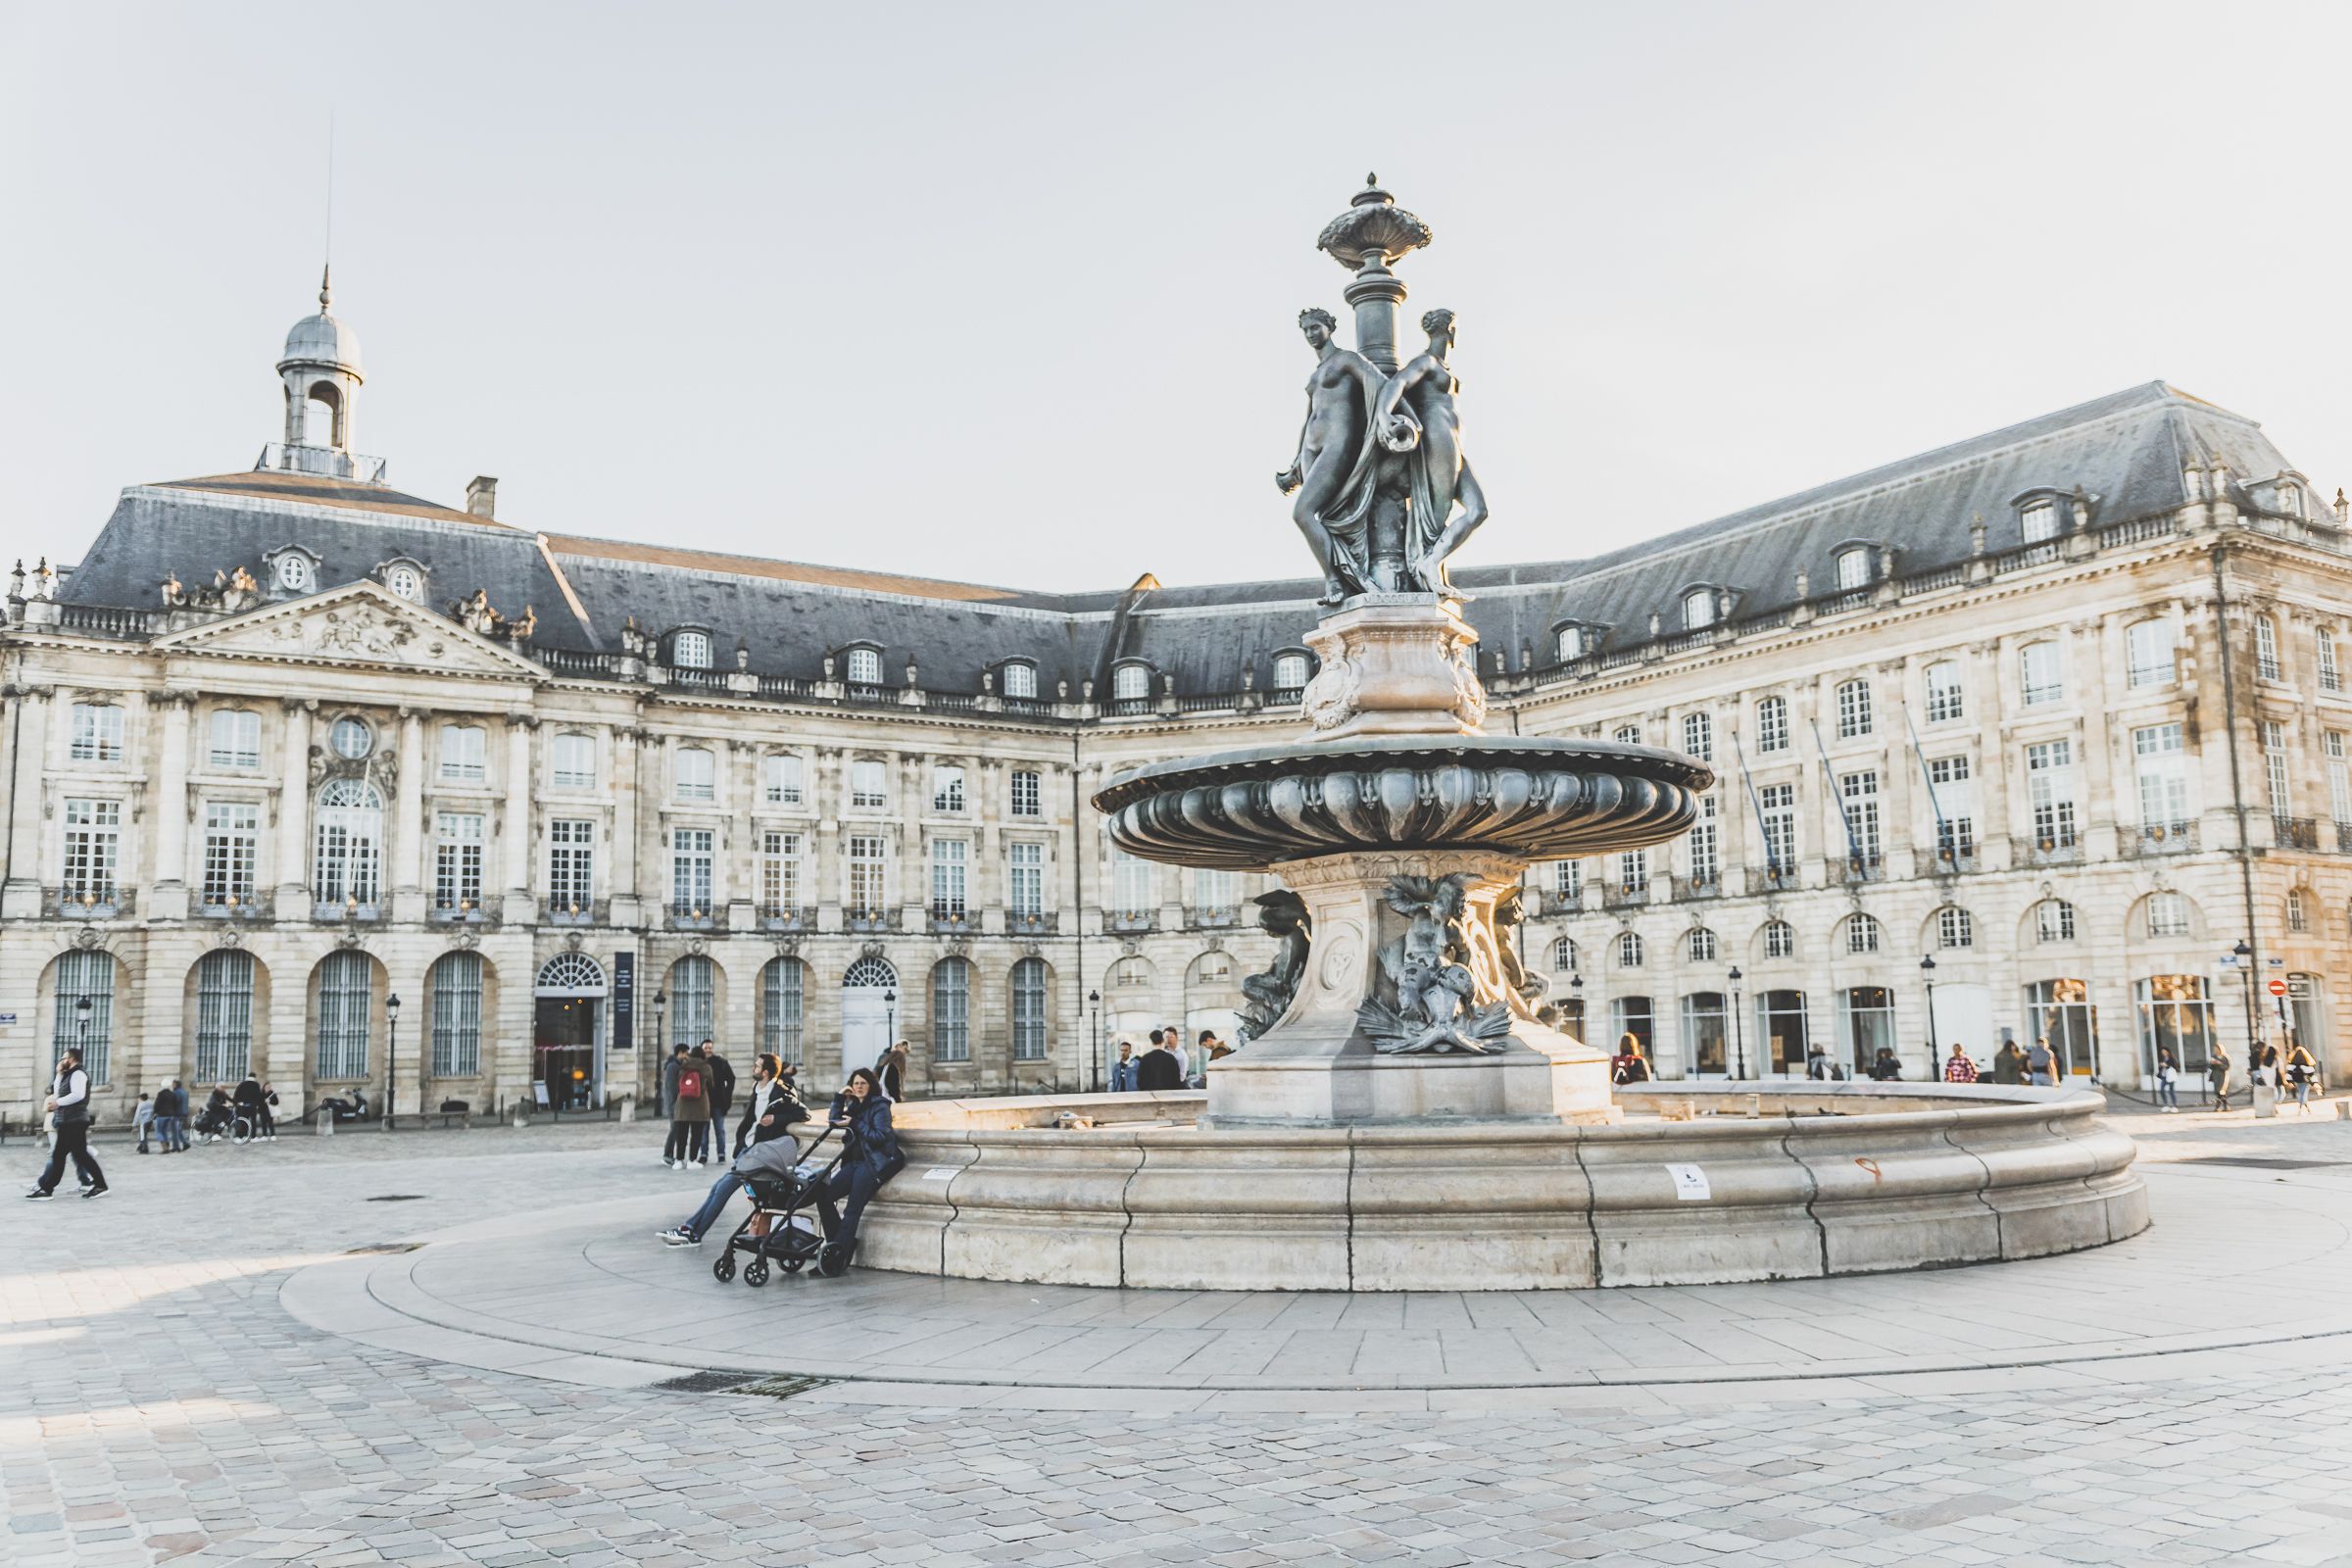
<point x="1539" y="752"/>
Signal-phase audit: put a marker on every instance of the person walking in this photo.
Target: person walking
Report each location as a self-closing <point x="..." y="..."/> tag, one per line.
<point x="142" y="1117"/>
<point x="2302" y="1070"/>
<point x="689" y="1109"/>
<point x="1122" y="1071"/>
<point x="722" y="1097"/>
<point x="1959" y="1068"/>
<point x="2168" y="1081"/>
<point x="68" y="1108"/>
<point x="2217" y="1074"/>
<point x="670" y="1101"/>
<point x="1884" y="1069"/>
<point x="1817" y="1063"/>
<point x="2263" y="1082"/>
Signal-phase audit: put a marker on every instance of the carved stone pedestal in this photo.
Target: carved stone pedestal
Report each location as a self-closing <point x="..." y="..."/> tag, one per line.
<point x="1394" y="664"/>
<point x="1339" y="1053"/>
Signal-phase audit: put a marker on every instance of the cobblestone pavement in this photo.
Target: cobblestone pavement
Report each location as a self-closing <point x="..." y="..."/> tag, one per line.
<point x="160" y="1402"/>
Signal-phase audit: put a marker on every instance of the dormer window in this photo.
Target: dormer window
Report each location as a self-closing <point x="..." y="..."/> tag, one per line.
<point x="865" y="666"/>
<point x="1020" y="680"/>
<point x="1853" y="567"/>
<point x="407" y="582"/>
<point x="292" y="570"/>
<point x="2290" y="499"/>
<point x="1569" y="643"/>
<point x="1698" y="608"/>
<point x="1290" y="671"/>
<point x="689" y="650"/>
<point x="1131" y="683"/>
<point x="2037" y="520"/>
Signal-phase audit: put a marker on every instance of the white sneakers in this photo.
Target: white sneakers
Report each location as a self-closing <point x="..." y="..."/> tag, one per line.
<point x="677" y="1238"/>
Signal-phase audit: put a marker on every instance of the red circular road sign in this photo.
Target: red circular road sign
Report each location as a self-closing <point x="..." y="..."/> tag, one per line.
<point x="2278" y="988"/>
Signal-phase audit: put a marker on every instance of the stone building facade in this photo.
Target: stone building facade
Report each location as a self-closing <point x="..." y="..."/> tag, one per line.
<point x="2058" y="708"/>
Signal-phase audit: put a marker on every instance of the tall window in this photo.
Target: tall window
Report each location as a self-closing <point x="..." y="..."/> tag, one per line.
<point x="2339" y="786"/>
<point x="1853" y="568"/>
<point x="1632" y="1015"/>
<point x="1954" y="928"/>
<point x="869" y="864"/>
<point x="572" y="762"/>
<point x="223" y="1015"/>
<point x="1862" y="934"/>
<point x="1954" y="790"/>
<point x="2053" y="921"/>
<point x="865" y="666"/>
<point x="1947" y="694"/>
<point x="947" y="789"/>
<point x="870" y="784"/>
<point x="2039" y="522"/>
<point x="1130" y="683"/>
<point x="691" y="650"/>
<point x="693" y="999"/>
<point x="2324" y="644"/>
<point x="1029" y="1010"/>
<point x="1633" y="872"/>
<point x="1700" y="945"/>
<point x="946" y="879"/>
<point x="1028" y="793"/>
<point x="457" y="980"/>
<point x="2060" y="1011"/>
<point x="457" y="861"/>
<point x="691" y="855"/>
<point x="1776" y="802"/>
<point x="2162" y="767"/>
<point x="2050" y="786"/>
<point x="952" y="1010"/>
<point x="1704" y="1031"/>
<point x="1020" y="680"/>
<point x="1629" y="949"/>
<point x="780" y="778"/>
<point x="348" y="853"/>
<point x="93" y="844"/>
<point x="1568" y="882"/>
<point x="465" y="754"/>
<point x="1568" y="644"/>
<point x="2176" y="1015"/>
<point x="2167" y="914"/>
<point x="1698" y="736"/>
<point x="2299" y="910"/>
<point x="1860" y="792"/>
<point x="1563" y="954"/>
<point x="1132" y="892"/>
<point x="1869" y="1024"/>
<point x="236" y="741"/>
<point x="1025" y="866"/>
<point x="1772" y="724"/>
<point x="1780" y="940"/>
<point x="232" y="842"/>
<point x="346" y="1006"/>
<point x="2274" y="767"/>
<point x="85" y="973"/>
<point x="780" y="873"/>
<point x="2266" y="647"/>
<point x="572" y="863"/>
<point x="782" y="999"/>
<point x="97" y="733"/>
<point x="1854" y="708"/>
<point x="1290" y="673"/>
<point x="1783" y="1028"/>
<point x="1698" y="608"/>
<point x="2038" y="666"/>
<point x="1628" y="735"/>
<point x="1703" y="845"/>
<point x="2148" y="653"/>
<point x="698" y="774"/>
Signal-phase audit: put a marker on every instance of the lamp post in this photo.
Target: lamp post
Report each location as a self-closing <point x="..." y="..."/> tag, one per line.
<point x="1094" y="1005"/>
<point x="1739" y="1035"/>
<point x="391" y="1054"/>
<point x="1576" y="995"/>
<point x="1926" y="972"/>
<point x="661" y="1051"/>
<point x="2244" y="955"/>
<point x="82" y="1010"/>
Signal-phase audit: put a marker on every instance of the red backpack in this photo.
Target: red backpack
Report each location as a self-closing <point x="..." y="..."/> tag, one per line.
<point x="690" y="1083"/>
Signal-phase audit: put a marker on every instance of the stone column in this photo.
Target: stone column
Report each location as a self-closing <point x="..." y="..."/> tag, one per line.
<point x="22" y="897"/>
<point x="169" y="899"/>
<point x="514" y="826"/>
<point x="406" y="875"/>
<point x="294" y="811"/>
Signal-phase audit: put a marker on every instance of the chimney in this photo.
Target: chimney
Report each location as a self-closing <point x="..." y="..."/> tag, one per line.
<point x="482" y="496"/>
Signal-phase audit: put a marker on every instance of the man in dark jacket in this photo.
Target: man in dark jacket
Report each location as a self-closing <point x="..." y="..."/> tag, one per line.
<point x="772" y="1106"/>
<point x="722" y="1098"/>
<point x="1158" y="1068"/>
<point x="69" y="1110"/>
<point x="169" y="1136"/>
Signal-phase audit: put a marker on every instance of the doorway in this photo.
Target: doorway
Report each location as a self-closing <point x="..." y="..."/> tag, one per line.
<point x="868" y="997"/>
<point x="567" y="1033"/>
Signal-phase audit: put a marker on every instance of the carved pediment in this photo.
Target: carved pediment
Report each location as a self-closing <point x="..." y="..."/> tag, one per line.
<point x="360" y="625"/>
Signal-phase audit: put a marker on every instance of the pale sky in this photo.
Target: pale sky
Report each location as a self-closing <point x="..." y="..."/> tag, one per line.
<point x="1006" y="292"/>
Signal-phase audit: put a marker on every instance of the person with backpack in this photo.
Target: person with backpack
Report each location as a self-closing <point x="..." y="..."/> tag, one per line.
<point x="2041" y="1063"/>
<point x="2302" y="1070"/>
<point x="722" y="1096"/>
<point x="689" y="1110"/>
<point x="1628" y="1065"/>
<point x="764" y="1146"/>
<point x="68" y="1108"/>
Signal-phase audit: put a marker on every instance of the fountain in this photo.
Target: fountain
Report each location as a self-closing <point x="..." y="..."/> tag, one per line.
<point x="1404" y="1112"/>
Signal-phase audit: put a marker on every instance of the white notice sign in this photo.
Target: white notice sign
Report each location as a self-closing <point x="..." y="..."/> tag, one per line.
<point x="939" y="1173"/>
<point x="1690" y="1183"/>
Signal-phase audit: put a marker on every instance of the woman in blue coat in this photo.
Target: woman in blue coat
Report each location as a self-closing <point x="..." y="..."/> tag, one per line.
<point x="869" y="1158"/>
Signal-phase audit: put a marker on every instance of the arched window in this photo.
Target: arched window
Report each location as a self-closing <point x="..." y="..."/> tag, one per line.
<point x="1780" y="940"/>
<point x="2167" y="914"/>
<point x="1290" y="673"/>
<point x="1772" y="724"/>
<point x="1861" y="934"/>
<point x="1563" y="954"/>
<point x="1954" y="928"/>
<point x="1698" y="608"/>
<point x="2036" y="521"/>
<point x="347" y="864"/>
<point x="407" y="582"/>
<point x="457" y="982"/>
<point x="1854" y="710"/>
<point x="952" y="1010"/>
<point x="691" y="650"/>
<point x="1629" y="949"/>
<point x="1947" y="697"/>
<point x="1131" y="973"/>
<point x="1700" y="944"/>
<point x="1568" y="644"/>
<point x="783" y="992"/>
<point x="1853" y="568"/>
<point x="870" y="972"/>
<point x="2148" y="653"/>
<point x="693" y="999"/>
<point x="1029" y="1010"/>
<point x="1130" y="683"/>
<point x="571" y="974"/>
<point x="1698" y="736"/>
<point x="2053" y="921"/>
<point x="865" y="666"/>
<point x="84" y="973"/>
<point x="1020" y="680"/>
<point x="346" y="1008"/>
<point x="2299" y="910"/>
<point x="698" y="774"/>
<point x="223" y="1015"/>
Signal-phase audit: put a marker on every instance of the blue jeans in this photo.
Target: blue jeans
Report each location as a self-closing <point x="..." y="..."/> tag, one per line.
<point x="172" y="1131"/>
<point x="2167" y="1094"/>
<point x="721" y="1191"/>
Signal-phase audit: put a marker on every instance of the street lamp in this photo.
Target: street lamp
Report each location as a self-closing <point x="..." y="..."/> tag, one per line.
<point x="661" y="1051"/>
<point x="392" y="1057"/>
<point x="2244" y="955"/>
<point x="1926" y="972"/>
<point x="1094" y="1003"/>
<point x="1739" y="1035"/>
<point x="82" y="1010"/>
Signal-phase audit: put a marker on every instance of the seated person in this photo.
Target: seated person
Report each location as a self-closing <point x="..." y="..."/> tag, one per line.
<point x="774" y="1155"/>
<point x="213" y="1124"/>
<point x="343" y="1110"/>
<point x="869" y="1158"/>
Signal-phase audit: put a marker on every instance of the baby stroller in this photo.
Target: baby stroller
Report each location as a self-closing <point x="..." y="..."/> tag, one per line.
<point x="785" y="1209"/>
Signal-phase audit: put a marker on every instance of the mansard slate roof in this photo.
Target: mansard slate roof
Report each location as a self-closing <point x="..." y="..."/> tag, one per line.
<point x="2126" y="452"/>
